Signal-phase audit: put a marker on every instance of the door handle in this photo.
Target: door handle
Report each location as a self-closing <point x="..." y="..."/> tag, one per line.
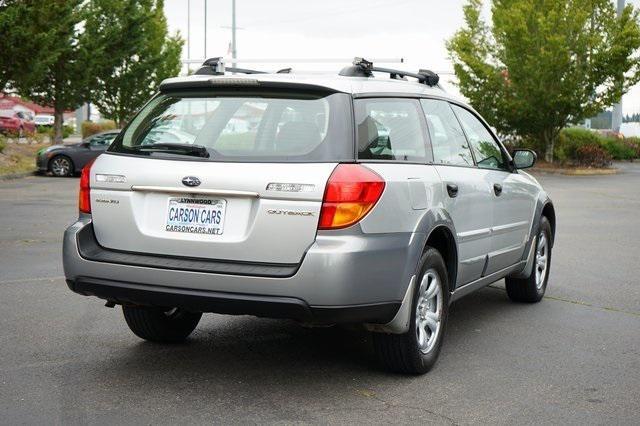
<point x="497" y="188"/>
<point x="452" y="190"/>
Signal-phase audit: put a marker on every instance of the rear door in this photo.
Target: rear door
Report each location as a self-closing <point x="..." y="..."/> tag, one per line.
<point x="468" y="198"/>
<point x="253" y="196"/>
<point x="513" y="196"/>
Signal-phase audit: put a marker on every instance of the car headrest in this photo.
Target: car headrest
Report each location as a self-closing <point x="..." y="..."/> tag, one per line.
<point x="298" y="137"/>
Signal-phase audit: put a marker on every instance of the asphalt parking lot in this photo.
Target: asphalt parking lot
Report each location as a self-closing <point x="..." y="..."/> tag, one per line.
<point x="573" y="358"/>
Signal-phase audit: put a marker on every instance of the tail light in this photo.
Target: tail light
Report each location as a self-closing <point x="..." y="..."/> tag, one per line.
<point x="352" y="191"/>
<point x="84" y="196"/>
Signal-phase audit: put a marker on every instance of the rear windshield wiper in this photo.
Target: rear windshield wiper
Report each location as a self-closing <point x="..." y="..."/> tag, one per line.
<point x="175" y="148"/>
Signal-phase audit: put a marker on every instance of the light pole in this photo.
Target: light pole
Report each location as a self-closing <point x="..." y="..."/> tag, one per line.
<point x="233" y="31"/>
<point x="188" y="35"/>
<point x="616" y="116"/>
<point x="205" y="29"/>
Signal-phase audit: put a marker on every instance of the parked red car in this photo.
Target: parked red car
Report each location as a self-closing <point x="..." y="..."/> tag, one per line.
<point x="16" y="123"/>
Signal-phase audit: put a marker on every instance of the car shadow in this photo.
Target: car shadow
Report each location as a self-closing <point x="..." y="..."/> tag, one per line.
<point x="242" y="348"/>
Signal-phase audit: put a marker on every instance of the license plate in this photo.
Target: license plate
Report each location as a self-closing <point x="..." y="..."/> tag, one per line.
<point x="196" y="215"/>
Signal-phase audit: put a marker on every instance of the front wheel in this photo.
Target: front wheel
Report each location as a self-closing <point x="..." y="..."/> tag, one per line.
<point x="532" y="288"/>
<point x="169" y="325"/>
<point x="416" y="351"/>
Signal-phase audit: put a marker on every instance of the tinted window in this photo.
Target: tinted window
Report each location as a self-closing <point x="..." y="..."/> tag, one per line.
<point x="447" y="138"/>
<point x="390" y="129"/>
<point x="259" y="128"/>
<point x="102" y="140"/>
<point x="486" y="150"/>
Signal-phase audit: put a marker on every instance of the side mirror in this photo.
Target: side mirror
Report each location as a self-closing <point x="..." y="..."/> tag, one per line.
<point x="524" y="158"/>
<point x="85" y="144"/>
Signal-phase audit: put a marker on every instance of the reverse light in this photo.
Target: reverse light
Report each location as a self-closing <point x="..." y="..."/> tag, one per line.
<point x="84" y="195"/>
<point x="352" y="191"/>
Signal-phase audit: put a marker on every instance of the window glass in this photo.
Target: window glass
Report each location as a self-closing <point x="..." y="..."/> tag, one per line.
<point x="486" y="150"/>
<point x="390" y="129"/>
<point x="447" y="138"/>
<point x="97" y="140"/>
<point x="246" y="128"/>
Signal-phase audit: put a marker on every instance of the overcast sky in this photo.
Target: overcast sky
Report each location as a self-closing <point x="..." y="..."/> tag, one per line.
<point x="415" y="30"/>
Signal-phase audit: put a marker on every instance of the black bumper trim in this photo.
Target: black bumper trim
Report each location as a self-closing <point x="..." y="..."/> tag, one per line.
<point x="90" y="249"/>
<point x="232" y="303"/>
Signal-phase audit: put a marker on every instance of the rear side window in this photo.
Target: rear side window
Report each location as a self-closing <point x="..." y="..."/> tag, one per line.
<point x="486" y="150"/>
<point x="390" y="129"/>
<point x="247" y="128"/>
<point x="447" y="138"/>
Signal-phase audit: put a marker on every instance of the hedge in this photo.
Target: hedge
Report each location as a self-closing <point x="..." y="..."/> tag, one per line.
<point x="571" y="148"/>
<point x="90" y="128"/>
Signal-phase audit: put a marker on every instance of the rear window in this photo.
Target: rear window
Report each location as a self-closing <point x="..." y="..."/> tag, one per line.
<point x="247" y="128"/>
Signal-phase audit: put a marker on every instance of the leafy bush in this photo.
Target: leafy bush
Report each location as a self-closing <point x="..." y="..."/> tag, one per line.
<point x="592" y="156"/>
<point x="90" y="128"/>
<point x="566" y="148"/>
<point x="619" y="149"/>
<point x="3" y="143"/>
<point x="571" y="140"/>
<point x="66" y="131"/>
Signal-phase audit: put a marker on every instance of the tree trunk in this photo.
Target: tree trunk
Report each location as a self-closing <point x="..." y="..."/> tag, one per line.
<point x="549" y="144"/>
<point x="57" y="124"/>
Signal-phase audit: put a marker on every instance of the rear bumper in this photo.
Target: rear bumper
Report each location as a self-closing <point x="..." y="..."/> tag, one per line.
<point x="342" y="278"/>
<point x="230" y="303"/>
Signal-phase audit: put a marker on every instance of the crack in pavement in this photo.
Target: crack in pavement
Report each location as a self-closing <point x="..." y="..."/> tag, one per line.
<point x="579" y="303"/>
<point x="26" y="280"/>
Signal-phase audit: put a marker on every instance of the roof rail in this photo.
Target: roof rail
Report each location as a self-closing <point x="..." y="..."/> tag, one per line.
<point x="215" y="66"/>
<point x="363" y="68"/>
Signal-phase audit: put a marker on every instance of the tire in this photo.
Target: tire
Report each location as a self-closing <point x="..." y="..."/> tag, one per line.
<point x="61" y="166"/>
<point x="161" y="325"/>
<point x="532" y="288"/>
<point x="404" y="353"/>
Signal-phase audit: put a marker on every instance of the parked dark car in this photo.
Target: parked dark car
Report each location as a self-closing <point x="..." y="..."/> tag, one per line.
<point x="67" y="160"/>
<point x="16" y="123"/>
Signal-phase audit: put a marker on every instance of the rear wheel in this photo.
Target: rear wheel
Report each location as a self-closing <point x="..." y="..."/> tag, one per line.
<point x="61" y="166"/>
<point x="171" y="325"/>
<point x="416" y="351"/>
<point x="532" y="288"/>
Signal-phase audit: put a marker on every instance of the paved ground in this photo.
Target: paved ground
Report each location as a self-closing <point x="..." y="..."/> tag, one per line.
<point x="574" y="358"/>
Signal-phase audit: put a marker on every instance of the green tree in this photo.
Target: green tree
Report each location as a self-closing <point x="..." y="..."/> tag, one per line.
<point x="26" y="41"/>
<point x="150" y="57"/>
<point x="545" y="63"/>
<point x="67" y="77"/>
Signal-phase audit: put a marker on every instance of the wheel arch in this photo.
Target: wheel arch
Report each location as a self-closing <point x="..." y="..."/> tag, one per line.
<point x="440" y="234"/>
<point x="549" y="212"/>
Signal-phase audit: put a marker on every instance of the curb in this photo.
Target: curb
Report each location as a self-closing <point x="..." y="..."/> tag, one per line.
<point x="577" y="172"/>
<point x="12" y="176"/>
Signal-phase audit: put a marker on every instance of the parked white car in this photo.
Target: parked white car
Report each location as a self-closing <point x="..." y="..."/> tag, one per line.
<point x="44" y="120"/>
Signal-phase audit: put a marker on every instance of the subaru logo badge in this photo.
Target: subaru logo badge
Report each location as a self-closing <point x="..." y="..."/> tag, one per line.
<point x="190" y="181"/>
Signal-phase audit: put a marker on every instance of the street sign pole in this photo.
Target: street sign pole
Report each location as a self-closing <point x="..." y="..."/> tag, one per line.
<point x="616" y="116"/>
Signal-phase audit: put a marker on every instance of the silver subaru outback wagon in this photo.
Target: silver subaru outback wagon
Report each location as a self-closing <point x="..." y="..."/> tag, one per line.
<point x="329" y="199"/>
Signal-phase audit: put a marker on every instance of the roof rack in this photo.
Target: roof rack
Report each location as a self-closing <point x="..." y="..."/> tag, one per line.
<point x="215" y="66"/>
<point x="363" y="68"/>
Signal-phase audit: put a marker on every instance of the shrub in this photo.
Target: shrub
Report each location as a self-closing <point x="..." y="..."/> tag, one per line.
<point x="572" y="139"/>
<point x="619" y="149"/>
<point x="90" y="128"/>
<point x="3" y="143"/>
<point x="566" y="148"/>
<point x="592" y="156"/>
<point x="634" y="145"/>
